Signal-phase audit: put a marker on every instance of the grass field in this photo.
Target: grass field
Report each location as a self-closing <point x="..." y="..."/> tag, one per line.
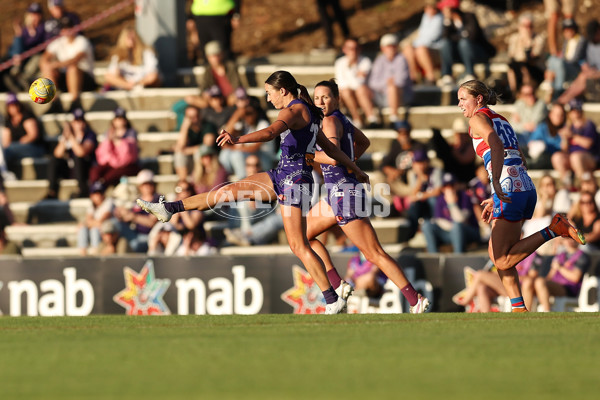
<point x="432" y="356"/>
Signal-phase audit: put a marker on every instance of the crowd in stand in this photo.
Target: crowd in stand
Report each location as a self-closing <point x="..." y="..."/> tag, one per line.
<point x="437" y="186"/>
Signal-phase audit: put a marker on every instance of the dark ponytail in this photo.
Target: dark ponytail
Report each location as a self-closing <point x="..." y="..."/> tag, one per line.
<point x="283" y="79"/>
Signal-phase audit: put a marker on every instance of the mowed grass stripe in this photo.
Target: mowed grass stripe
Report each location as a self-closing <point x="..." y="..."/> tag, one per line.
<point x="436" y="356"/>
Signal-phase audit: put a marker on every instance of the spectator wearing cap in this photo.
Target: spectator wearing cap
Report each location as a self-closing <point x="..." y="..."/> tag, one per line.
<point x="248" y="117"/>
<point x="132" y="64"/>
<point x="423" y="53"/>
<point x="463" y="41"/>
<point x="351" y="73"/>
<point x="117" y="154"/>
<point x="58" y="12"/>
<point x="215" y="20"/>
<point x="458" y="156"/>
<point x="134" y="223"/>
<point x="73" y="155"/>
<point x="220" y="72"/>
<point x="112" y="241"/>
<point x="28" y="34"/>
<point x="390" y="78"/>
<point x="208" y="173"/>
<point x="100" y="210"/>
<point x="588" y="81"/>
<point x="69" y="62"/>
<point x="193" y="133"/>
<point x="425" y="182"/>
<point x="580" y="146"/>
<point x="217" y="111"/>
<point x="453" y="220"/>
<point x="563" y="68"/>
<point x="397" y="163"/>
<point x="22" y="135"/>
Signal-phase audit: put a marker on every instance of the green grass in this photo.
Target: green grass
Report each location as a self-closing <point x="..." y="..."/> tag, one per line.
<point x="433" y="356"/>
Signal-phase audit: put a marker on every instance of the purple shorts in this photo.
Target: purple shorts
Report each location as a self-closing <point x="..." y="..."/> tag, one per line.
<point x="522" y="206"/>
<point x="348" y="203"/>
<point x="293" y="188"/>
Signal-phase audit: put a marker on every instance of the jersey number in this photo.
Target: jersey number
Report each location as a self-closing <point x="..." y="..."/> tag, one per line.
<point x="506" y="133"/>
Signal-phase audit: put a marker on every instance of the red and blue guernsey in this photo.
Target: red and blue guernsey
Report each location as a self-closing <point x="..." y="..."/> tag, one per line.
<point x="345" y="194"/>
<point x="292" y="178"/>
<point x="514" y="177"/>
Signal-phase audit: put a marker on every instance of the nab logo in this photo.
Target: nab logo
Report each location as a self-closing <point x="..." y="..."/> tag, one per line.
<point x="143" y="293"/>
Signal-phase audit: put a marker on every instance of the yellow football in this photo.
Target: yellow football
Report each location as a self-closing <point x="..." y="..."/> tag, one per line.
<point x="42" y="90"/>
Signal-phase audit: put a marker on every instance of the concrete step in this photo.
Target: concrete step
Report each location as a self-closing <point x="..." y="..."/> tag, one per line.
<point x="50" y="211"/>
<point x="33" y="191"/>
<point x="44" y="235"/>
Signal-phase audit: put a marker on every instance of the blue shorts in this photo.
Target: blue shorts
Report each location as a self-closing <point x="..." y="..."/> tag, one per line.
<point x="348" y="204"/>
<point x="293" y="187"/>
<point x="522" y="206"/>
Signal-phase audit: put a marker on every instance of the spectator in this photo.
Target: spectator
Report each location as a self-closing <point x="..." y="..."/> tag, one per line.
<point x="589" y="184"/>
<point x="208" y="173"/>
<point x="590" y="69"/>
<point x="112" y="241"/>
<point x="390" y="78"/>
<point x="69" y="62"/>
<point x="117" y="154"/>
<point x="22" y="135"/>
<point x="27" y="36"/>
<point x="580" y="146"/>
<point x="263" y="231"/>
<point x="167" y="238"/>
<point x="487" y="286"/>
<point x="217" y="112"/>
<point x="132" y="64"/>
<point x="195" y="244"/>
<point x="248" y="117"/>
<point x="425" y="182"/>
<point x="6" y="219"/>
<point x="479" y="189"/>
<point x="545" y="140"/>
<point x="397" y="163"/>
<point x="564" y="278"/>
<point x="529" y="112"/>
<point x="134" y="223"/>
<point x="423" y="54"/>
<point x="526" y="53"/>
<point x="193" y="133"/>
<point x="463" y="41"/>
<point x="459" y="157"/>
<point x="215" y="20"/>
<point x="58" y="12"/>
<point x="100" y="210"/>
<point x="554" y="10"/>
<point x="74" y="154"/>
<point x="586" y="217"/>
<point x="327" y="21"/>
<point x="366" y="278"/>
<point x="453" y="221"/>
<point x="562" y="68"/>
<point x="351" y="73"/>
<point x="221" y="73"/>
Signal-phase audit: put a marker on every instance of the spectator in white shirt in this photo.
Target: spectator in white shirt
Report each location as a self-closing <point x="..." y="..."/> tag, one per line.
<point x="69" y="62"/>
<point x="351" y="73"/>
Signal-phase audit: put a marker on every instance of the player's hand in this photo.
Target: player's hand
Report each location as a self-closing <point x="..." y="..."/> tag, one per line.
<point x="501" y="195"/>
<point x="226" y="138"/>
<point x="362" y="177"/>
<point x="488" y="210"/>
